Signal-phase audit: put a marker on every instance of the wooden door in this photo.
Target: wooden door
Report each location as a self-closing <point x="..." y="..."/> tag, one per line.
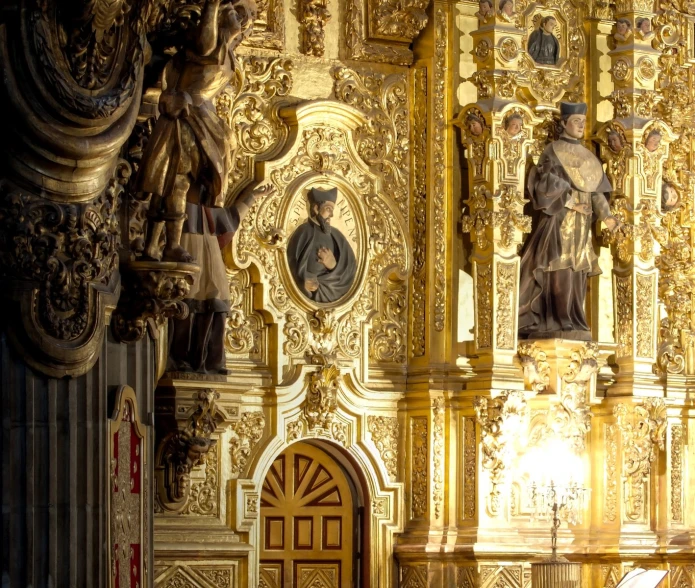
<point x="307" y="522"/>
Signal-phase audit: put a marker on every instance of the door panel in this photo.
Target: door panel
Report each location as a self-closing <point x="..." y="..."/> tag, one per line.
<point x="307" y="522"/>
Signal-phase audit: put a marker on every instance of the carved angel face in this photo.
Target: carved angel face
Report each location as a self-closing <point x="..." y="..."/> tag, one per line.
<point x="507" y="7"/>
<point x="653" y="141"/>
<point x="513" y="125"/>
<point x="615" y="143"/>
<point x="669" y="197"/>
<point x="645" y="26"/>
<point x="485" y="7"/>
<point x="574" y="125"/>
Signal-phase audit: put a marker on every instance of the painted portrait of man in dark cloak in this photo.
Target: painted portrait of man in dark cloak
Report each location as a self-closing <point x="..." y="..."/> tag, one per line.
<point x="320" y="257"/>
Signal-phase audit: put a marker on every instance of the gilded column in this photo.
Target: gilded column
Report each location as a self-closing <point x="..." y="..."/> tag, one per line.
<point x="496" y="133"/>
<point x="635" y="147"/>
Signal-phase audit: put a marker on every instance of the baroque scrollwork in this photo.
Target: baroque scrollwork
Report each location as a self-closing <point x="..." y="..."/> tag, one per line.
<point x="419" y="446"/>
<point x="321" y="402"/>
<point x="643" y="430"/>
<point x="385" y="435"/>
<point x="246" y="433"/>
<point x="571" y="418"/>
<point x="536" y="366"/>
<point x="387" y="339"/>
<point x="438" y="412"/>
<point x="498" y="418"/>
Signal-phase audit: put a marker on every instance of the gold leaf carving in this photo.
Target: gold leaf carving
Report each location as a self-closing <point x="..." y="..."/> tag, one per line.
<point x="645" y="316"/>
<point x="296" y="332"/>
<point x="643" y="429"/>
<point x="419" y="224"/>
<point x="383" y="141"/>
<point x="506" y="308"/>
<point x="269" y="26"/>
<point x="483" y="323"/>
<point x="439" y="159"/>
<point x="385" y="435"/>
<point x="387" y="339"/>
<point x="203" y="498"/>
<point x="246" y="433"/>
<point x="536" y="367"/>
<point x="418" y="466"/>
<point x="249" y="105"/>
<point x="400" y="19"/>
<point x="314" y="16"/>
<point x="243" y="334"/>
<point x="438" y="456"/>
<point x="610" y="505"/>
<point x="677" y="438"/>
<point x="493" y="415"/>
<point x="623" y="305"/>
<point x="469" y="468"/>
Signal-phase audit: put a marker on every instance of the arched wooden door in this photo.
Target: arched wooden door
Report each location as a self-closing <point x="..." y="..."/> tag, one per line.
<point x="308" y="522"/>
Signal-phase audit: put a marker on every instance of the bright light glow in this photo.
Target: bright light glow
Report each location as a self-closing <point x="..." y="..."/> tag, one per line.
<point x="554" y="462"/>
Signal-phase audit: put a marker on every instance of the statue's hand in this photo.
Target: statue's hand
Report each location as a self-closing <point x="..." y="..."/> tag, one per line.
<point x="612" y="223"/>
<point x="327" y="258"/>
<point x="584" y="209"/>
<point x="311" y="285"/>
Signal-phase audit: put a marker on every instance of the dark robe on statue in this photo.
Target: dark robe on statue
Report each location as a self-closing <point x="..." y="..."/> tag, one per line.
<point x="558" y="256"/>
<point x="197" y="342"/>
<point x="302" y="256"/>
<point x="544" y="47"/>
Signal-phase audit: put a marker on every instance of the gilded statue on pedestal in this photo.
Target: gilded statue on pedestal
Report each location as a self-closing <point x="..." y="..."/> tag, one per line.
<point x="187" y="157"/>
<point x="566" y="189"/>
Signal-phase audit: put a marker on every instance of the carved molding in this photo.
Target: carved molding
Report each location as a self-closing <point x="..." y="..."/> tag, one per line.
<point x="470" y="448"/>
<point x="419" y="458"/>
<point x="250" y="106"/>
<point x="494" y="416"/>
<point x="643" y="430"/>
<point x="385" y="435"/>
<point x="610" y="504"/>
<point x="419" y="136"/>
<point x="438" y="423"/>
<point x="246" y="433"/>
<point x="677" y="472"/>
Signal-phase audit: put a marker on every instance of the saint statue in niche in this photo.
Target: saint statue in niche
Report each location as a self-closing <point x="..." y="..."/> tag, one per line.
<point x="566" y="189"/>
<point x="187" y="155"/>
<point x="543" y="45"/>
<point x="320" y="257"/>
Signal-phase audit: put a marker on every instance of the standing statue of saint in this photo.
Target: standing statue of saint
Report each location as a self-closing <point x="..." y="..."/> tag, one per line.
<point x="187" y="156"/>
<point x="566" y="189"/>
